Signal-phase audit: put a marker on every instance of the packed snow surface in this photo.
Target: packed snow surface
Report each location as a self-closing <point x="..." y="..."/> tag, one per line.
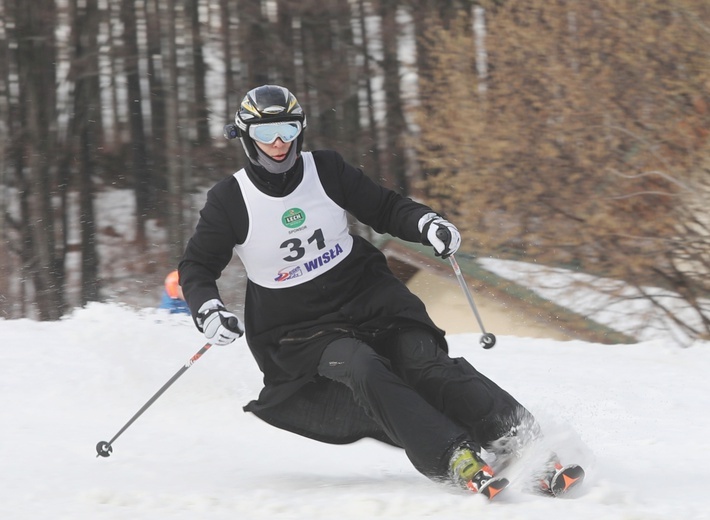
<point x="636" y="416"/>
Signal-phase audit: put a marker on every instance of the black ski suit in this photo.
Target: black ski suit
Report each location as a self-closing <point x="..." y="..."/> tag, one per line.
<point x="351" y="353"/>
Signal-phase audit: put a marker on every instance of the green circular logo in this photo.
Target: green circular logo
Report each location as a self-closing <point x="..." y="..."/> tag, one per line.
<point x="293" y="218"/>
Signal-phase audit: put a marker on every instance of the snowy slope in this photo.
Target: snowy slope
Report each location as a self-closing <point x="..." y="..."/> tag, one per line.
<point x="636" y="415"/>
<point x="611" y="302"/>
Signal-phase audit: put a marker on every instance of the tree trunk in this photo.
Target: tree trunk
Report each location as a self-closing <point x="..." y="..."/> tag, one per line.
<point x="395" y="165"/>
<point x="157" y="160"/>
<point x="350" y="131"/>
<point x="227" y="29"/>
<point x="139" y="167"/>
<point x="174" y="148"/>
<point x="6" y="257"/>
<point x="37" y="77"/>
<point x="199" y="70"/>
<point x="86" y="106"/>
<point x="371" y="138"/>
<point x="254" y="42"/>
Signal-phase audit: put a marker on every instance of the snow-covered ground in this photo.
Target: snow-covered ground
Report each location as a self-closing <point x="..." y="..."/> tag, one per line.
<point x="610" y="302"/>
<point x="637" y="416"/>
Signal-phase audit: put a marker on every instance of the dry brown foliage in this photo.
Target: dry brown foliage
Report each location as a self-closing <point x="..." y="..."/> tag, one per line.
<point x="585" y="145"/>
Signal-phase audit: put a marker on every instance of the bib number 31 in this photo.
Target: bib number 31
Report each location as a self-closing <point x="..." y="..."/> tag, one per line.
<point x="296" y="248"/>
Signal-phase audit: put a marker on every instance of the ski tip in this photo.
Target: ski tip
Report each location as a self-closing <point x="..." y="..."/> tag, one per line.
<point x="494" y="487"/>
<point x="567" y="480"/>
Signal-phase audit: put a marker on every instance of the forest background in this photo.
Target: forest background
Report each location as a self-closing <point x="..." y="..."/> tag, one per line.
<point x="570" y="134"/>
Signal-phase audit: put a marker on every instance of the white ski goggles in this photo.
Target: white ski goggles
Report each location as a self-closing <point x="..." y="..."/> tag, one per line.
<point x="267" y="133"/>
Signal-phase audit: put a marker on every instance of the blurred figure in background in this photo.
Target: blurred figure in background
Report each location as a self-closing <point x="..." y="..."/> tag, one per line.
<point x="173" y="299"/>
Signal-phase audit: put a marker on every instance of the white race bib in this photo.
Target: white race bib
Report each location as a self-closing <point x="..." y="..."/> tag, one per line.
<point x="292" y="239"/>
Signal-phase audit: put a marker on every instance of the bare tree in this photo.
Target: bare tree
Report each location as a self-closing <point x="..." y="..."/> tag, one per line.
<point x="7" y="258"/>
<point x="157" y="162"/>
<point x="370" y="138"/>
<point x="140" y="173"/>
<point x="254" y="42"/>
<point x="199" y="69"/>
<point x="228" y="28"/>
<point x="85" y="71"/>
<point x="395" y="166"/>
<point x="43" y="262"/>
<point x="174" y="140"/>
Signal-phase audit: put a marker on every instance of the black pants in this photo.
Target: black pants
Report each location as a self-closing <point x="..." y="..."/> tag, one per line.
<point x="426" y="401"/>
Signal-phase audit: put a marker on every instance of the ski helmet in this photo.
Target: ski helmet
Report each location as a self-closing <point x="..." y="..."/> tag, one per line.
<point x="267" y="104"/>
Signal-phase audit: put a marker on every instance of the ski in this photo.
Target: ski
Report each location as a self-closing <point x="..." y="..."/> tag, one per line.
<point x="563" y="481"/>
<point x="491" y="488"/>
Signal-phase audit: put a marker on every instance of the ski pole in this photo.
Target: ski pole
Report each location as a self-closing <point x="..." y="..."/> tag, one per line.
<point x="104" y="449"/>
<point x="488" y="340"/>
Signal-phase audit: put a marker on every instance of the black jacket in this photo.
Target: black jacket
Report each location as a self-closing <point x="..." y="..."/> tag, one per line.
<point x="287" y="329"/>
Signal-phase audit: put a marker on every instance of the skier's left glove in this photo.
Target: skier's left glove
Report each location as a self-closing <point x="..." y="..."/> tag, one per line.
<point x="439" y="233"/>
<point x="219" y="326"/>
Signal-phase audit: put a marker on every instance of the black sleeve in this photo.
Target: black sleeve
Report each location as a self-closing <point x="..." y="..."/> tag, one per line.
<point x="223" y="223"/>
<point x="384" y="210"/>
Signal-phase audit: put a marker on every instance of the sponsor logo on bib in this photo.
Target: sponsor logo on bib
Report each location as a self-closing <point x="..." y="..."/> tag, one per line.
<point x="293" y="218"/>
<point x="324" y="258"/>
<point x="288" y="273"/>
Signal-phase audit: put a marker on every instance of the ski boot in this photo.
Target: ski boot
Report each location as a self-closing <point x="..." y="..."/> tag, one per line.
<point x="469" y="471"/>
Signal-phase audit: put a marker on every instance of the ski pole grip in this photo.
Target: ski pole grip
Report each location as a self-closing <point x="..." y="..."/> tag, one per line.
<point x="443" y="234"/>
<point x="233" y="324"/>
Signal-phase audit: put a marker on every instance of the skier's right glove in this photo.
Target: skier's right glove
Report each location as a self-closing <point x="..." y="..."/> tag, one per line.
<point x="219" y="326"/>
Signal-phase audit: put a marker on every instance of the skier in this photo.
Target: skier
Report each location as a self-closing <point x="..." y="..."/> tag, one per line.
<point x="347" y="351"/>
<point x="173" y="298"/>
